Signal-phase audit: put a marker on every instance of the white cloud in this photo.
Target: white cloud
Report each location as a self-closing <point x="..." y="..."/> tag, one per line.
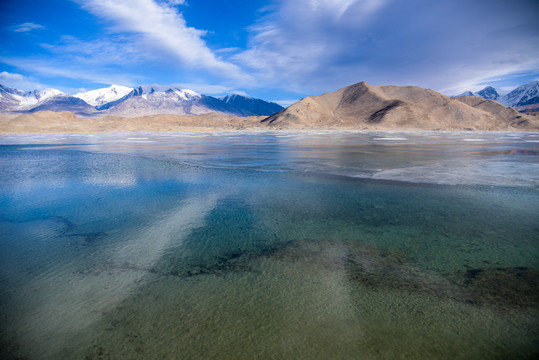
<point x="161" y="27"/>
<point x="20" y="82"/>
<point x="28" y="26"/>
<point x="5" y="76"/>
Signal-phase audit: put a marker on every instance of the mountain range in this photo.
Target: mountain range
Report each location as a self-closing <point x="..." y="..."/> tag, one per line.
<point x="124" y="101"/>
<point x="359" y="106"/>
<point x="522" y="96"/>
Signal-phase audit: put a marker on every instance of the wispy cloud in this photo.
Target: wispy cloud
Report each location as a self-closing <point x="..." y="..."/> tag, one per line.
<point x="45" y="68"/>
<point x="321" y="45"/>
<point x="28" y="26"/>
<point x="116" y="50"/>
<point x="103" y="61"/>
<point x="300" y="39"/>
<point x="160" y="27"/>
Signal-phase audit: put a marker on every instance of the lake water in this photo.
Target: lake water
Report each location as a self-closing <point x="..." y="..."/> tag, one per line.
<point x="270" y="245"/>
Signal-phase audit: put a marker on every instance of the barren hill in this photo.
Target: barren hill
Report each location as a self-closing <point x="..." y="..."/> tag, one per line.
<point x="363" y="106"/>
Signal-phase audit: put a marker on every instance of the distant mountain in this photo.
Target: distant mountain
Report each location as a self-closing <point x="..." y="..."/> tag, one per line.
<point x="155" y="99"/>
<point x="140" y="101"/>
<point x="527" y="94"/>
<point x="363" y="106"/>
<point x="248" y="106"/>
<point x="159" y="99"/>
<point x="17" y="100"/>
<point x="356" y="107"/>
<point x="103" y="96"/>
<point x="486" y="93"/>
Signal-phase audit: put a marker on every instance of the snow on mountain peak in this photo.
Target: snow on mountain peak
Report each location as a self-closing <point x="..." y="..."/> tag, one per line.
<point x="523" y="95"/>
<point x="186" y="94"/>
<point x="47" y="93"/>
<point x="31" y="98"/>
<point x="183" y="93"/>
<point x="488" y="93"/>
<point x="526" y="94"/>
<point x="105" y="95"/>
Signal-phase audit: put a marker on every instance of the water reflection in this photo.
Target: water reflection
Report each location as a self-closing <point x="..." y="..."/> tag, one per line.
<point x="269" y="245"/>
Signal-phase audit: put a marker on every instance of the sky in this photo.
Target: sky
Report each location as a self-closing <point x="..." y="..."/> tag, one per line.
<point x="277" y="50"/>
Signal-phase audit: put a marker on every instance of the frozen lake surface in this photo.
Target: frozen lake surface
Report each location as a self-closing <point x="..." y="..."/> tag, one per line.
<point x="270" y="245"/>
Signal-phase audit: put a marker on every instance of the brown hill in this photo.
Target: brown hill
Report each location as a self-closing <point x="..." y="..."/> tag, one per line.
<point x="362" y="106"/>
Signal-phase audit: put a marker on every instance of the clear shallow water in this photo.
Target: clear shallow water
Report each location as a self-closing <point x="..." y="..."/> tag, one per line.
<point x="359" y="245"/>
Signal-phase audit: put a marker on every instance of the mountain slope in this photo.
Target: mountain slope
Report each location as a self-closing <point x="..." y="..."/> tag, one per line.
<point x="65" y="103"/>
<point x="362" y="106"/>
<point x="248" y="106"/>
<point x="9" y="98"/>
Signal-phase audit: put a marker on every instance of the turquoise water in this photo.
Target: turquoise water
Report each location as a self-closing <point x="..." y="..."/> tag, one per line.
<point x="292" y="245"/>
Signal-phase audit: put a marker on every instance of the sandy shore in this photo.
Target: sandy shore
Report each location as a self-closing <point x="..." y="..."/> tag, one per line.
<point x="47" y="122"/>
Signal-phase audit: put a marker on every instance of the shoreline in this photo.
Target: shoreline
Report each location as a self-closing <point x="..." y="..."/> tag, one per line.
<point x="218" y="130"/>
<point x="48" y="122"/>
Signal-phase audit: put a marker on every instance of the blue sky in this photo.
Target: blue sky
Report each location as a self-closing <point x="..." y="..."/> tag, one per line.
<point x="279" y="50"/>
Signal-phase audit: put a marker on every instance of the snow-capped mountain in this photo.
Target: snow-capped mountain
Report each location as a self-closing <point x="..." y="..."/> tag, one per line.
<point x="486" y="93"/>
<point x="250" y="106"/>
<point x="125" y="101"/>
<point x="17" y="100"/>
<point x="103" y="96"/>
<point x="526" y="94"/>
<point x="156" y="99"/>
<point x="160" y="99"/>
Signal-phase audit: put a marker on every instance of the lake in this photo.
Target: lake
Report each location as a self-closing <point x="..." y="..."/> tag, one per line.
<point x="270" y="245"/>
